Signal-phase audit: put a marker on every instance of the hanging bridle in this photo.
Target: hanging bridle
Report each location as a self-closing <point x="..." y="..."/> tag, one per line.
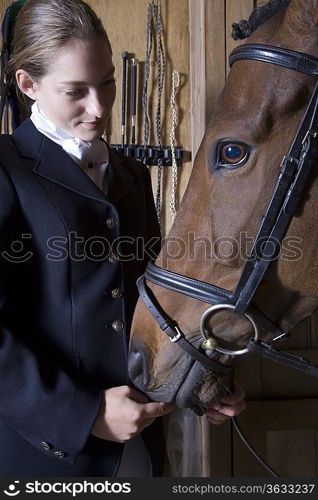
<point x="294" y="171"/>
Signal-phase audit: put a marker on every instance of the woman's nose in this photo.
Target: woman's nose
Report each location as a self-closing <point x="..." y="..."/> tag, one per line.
<point x="96" y="105"/>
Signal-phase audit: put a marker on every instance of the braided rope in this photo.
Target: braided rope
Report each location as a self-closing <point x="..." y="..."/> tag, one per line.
<point x="174" y="123"/>
<point x="161" y="74"/>
<point x="147" y="73"/>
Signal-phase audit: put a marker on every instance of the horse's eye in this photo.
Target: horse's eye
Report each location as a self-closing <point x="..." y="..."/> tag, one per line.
<point x="231" y="154"/>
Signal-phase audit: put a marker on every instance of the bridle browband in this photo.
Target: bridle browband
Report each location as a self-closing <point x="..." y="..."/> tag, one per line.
<point x="297" y="61"/>
<point x="294" y="171"/>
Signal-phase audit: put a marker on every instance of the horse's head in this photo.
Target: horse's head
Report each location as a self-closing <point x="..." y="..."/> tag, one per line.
<point x="231" y="187"/>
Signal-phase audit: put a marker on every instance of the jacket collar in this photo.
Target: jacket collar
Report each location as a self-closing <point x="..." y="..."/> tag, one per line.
<point x="52" y="163"/>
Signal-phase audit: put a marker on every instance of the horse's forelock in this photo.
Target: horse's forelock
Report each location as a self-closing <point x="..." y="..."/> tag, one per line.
<point x="244" y="28"/>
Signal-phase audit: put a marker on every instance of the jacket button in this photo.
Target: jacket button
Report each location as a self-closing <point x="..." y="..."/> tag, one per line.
<point x="118" y="325"/>
<point x="46" y="445"/>
<point x="111" y="223"/>
<point x="113" y="258"/>
<point x="116" y="293"/>
<point x="59" y="454"/>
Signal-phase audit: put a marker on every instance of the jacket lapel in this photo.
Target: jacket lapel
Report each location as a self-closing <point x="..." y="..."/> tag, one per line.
<point x="52" y="163"/>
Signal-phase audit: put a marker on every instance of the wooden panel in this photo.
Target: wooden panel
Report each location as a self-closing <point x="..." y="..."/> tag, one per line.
<point x="197" y="72"/>
<point x="215" y="57"/>
<point x="207" y="62"/>
<point x="300" y="444"/>
<point x="3" y="5"/>
<point x="220" y="444"/>
<point x="262" y="378"/>
<point x="273" y="380"/>
<point x="273" y="426"/>
<point x="235" y="11"/>
<point x="125" y="23"/>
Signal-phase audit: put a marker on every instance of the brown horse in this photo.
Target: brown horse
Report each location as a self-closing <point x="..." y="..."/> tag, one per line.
<point x="231" y="185"/>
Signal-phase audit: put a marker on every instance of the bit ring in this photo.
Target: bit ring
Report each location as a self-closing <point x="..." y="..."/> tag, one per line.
<point x="205" y="332"/>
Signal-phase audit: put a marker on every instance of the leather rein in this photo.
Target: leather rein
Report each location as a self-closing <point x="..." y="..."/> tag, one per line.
<point x="294" y="171"/>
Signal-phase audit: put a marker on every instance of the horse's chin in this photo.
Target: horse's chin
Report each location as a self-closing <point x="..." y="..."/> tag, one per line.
<point x="200" y="387"/>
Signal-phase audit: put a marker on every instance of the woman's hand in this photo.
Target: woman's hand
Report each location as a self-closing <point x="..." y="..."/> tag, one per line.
<point x="124" y="413"/>
<point x="229" y="406"/>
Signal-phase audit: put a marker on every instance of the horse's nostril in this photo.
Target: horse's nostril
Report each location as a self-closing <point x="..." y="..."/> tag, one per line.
<point x="198" y="409"/>
<point x="135" y="364"/>
<point x="137" y="367"/>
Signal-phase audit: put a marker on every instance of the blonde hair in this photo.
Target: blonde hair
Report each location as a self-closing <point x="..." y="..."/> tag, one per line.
<point x="45" y="26"/>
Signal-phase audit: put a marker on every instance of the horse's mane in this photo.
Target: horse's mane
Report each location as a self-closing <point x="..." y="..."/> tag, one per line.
<point x="244" y="28"/>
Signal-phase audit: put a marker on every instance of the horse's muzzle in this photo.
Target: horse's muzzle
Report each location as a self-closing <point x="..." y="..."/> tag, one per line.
<point x="189" y="384"/>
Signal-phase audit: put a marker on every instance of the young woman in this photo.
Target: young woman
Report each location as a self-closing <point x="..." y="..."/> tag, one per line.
<point x="71" y="211"/>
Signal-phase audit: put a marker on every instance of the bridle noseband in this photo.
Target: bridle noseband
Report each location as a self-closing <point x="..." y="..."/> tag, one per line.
<point x="294" y="171"/>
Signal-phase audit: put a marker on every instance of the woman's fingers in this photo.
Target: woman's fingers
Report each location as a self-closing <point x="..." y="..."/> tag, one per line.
<point x="229" y="406"/>
<point x="236" y="396"/>
<point x="216" y="418"/>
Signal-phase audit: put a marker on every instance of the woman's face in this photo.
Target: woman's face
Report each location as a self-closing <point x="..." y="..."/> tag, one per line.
<point x="78" y="91"/>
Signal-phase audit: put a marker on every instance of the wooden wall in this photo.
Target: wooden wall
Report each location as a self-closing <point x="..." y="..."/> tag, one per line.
<point x="125" y="23"/>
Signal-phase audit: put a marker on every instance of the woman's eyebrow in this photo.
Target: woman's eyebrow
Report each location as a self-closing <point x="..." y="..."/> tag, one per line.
<point x="79" y="82"/>
<point x="71" y="82"/>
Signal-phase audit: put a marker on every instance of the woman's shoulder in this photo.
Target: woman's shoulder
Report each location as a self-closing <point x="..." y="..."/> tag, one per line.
<point x="6" y="140"/>
<point x="7" y="191"/>
<point x="24" y="141"/>
<point x="8" y="149"/>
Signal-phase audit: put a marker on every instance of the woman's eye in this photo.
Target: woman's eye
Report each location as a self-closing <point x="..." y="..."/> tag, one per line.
<point x="74" y="92"/>
<point x="232" y="154"/>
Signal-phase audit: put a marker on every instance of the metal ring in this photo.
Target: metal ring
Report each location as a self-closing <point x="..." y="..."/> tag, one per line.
<point x="217" y="307"/>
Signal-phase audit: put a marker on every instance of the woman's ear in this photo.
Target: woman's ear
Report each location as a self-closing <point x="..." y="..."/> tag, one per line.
<point x="26" y="84"/>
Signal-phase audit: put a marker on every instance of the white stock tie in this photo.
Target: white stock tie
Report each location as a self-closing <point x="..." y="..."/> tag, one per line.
<point x="91" y="156"/>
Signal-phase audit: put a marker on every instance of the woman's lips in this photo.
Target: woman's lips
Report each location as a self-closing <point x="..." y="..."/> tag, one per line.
<point x="91" y="125"/>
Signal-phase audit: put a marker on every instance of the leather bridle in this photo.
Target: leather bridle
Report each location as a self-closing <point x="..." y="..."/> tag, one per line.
<point x="294" y="171"/>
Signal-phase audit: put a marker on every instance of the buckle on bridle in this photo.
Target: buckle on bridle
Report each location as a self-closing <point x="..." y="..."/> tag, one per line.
<point x="177" y="336"/>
